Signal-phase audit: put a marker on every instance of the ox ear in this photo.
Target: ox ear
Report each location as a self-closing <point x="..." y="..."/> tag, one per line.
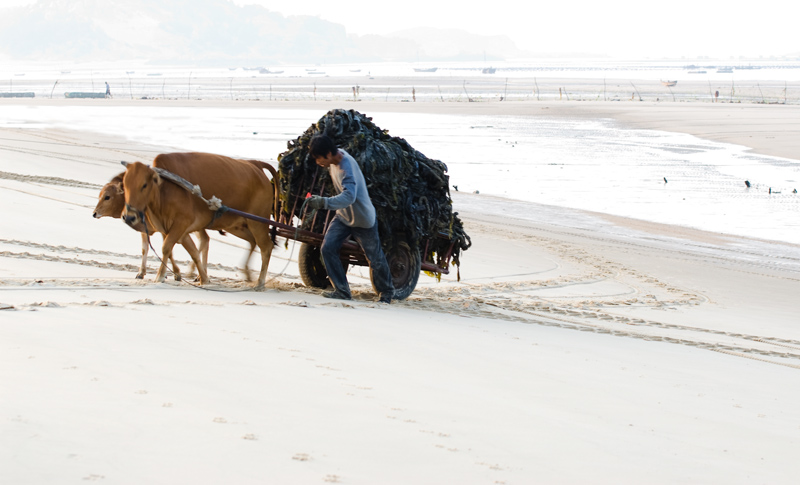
<point x="157" y="179"/>
<point x="120" y="189"/>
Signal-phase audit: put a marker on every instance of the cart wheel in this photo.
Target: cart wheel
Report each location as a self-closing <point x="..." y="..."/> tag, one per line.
<point x="404" y="264"/>
<point x="312" y="270"/>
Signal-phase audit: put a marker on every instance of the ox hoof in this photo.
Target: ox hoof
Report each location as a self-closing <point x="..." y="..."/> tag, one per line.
<point x="139" y="276"/>
<point x="177" y="277"/>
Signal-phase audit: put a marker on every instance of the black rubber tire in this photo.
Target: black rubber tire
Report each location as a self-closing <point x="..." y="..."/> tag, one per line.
<point x="404" y="264"/>
<point x="312" y="269"/>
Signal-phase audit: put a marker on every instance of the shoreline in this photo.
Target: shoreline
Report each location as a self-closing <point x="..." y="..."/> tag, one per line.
<point x="765" y="129"/>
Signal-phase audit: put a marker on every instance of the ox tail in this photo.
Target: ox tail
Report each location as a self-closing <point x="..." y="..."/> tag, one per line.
<point x="275" y="194"/>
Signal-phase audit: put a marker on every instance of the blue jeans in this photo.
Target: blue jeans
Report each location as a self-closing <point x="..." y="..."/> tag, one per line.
<point x="370" y="242"/>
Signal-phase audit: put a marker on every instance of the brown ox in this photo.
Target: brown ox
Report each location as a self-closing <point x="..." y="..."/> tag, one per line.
<point x="111" y="203"/>
<point x="175" y="212"/>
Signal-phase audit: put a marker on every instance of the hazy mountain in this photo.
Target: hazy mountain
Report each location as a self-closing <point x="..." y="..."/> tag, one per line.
<point x="215" y="32"/>
<point x="458" y="44"/>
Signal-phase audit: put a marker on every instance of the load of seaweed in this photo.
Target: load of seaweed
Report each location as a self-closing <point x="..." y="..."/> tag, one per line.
<point x="410" y="191"/>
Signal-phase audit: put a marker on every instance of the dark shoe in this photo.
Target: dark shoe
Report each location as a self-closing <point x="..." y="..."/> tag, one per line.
<point x="385" y="298"/>
<point x="336" y="295"/>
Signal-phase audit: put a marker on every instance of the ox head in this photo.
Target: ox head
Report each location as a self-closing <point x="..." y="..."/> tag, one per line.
<point x="111" y="200"/>
<point x="139" y="184"/>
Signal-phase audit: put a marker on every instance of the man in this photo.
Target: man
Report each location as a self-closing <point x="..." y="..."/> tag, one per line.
<point x="355" y="215"/>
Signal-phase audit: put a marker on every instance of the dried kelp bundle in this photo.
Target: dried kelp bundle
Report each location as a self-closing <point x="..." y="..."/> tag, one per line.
<point x="409" y="190"/>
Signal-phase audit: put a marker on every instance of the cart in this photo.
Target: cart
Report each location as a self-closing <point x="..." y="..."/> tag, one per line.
<point x="404" y="258"/>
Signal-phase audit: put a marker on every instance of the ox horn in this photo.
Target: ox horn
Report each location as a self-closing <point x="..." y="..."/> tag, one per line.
<point x="124" y="163"/>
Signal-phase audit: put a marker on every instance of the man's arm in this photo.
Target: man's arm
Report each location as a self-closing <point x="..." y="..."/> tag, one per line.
<point x="349" y="191"/>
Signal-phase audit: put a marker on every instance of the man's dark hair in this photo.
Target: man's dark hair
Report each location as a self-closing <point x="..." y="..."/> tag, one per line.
<point x="320" y="146"/>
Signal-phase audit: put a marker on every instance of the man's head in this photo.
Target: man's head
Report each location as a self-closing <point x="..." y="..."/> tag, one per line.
<point x="323" y="150"/>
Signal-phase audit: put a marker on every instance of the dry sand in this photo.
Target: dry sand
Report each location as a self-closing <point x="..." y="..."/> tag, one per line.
<point x="576" y="348"/>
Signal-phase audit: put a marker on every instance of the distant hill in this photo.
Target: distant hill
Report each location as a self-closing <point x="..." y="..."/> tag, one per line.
<point x="450" y="44"/>
<point x="216" y="32"/>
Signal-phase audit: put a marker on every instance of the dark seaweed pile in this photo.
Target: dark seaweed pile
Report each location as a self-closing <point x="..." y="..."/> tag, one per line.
<point x="410" y="192"/>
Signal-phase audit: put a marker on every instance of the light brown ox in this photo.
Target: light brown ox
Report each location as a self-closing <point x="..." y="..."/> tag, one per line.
<point x="111" y="203"/>
<point x="175" y="212"/>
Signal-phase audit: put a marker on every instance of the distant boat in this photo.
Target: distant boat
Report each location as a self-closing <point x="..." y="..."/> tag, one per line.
<point x="84" y="95"/>
<point x="488" y="70"/>
<point x="129" y="72"/>
<point x="18" y="95"/>
<point x="697" y="72"/>
<point x="154" y="74"/>
<point x="725" y="70"/>
<point x="425" y="69"/>
<point x="316" y="72"/>
<point x="65" y="72"/>
<point x="669" y="84"/>
<point x="267" y="71"/>
<point x="355" y="70"/>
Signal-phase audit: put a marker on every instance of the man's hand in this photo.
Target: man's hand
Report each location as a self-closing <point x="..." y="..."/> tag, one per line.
<point x="316" y="202"/>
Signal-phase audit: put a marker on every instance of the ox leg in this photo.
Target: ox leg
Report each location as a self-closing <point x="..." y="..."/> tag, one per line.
<point x="166" y="252"/>
<point x="143" y="266"/>
<point x="265" y="244"/>
<point x="176" y="270"/>
<point x="202" y="238"/>
<point x="145" y="250"/>
<point x="199" y="262"/>
<point x="246" y="264"/>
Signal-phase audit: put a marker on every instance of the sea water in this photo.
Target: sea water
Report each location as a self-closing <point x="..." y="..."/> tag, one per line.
<point x="594" y="165"/>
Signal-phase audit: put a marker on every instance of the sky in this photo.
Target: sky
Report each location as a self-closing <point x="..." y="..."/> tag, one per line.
<point x="617" y="28"/>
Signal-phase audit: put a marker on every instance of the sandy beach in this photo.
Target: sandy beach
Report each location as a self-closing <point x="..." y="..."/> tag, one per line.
<point x="577" y="347"/>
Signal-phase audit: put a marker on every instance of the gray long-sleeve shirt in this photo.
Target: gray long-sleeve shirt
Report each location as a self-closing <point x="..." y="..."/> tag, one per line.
<point x="353" y="204"/>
